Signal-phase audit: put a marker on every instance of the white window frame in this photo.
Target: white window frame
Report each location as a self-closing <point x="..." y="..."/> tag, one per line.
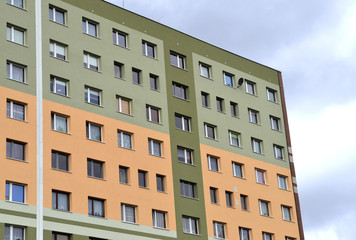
<point x="11" y="231"/>
<point x="208" y="70"/>
<point x="220" y="104"/>
<point x="226" y="74"/>
<point x="10" y="192"/>
<point x="162" y="179"/>
<point x="54" y="121"/>
<point x="275" y="123"/>
<point x="242" y="234"/>
<point x="191" y="185"/>
<point x="10" y="103"/>
<point x="55" y="54"/>
<point x="264" y="176"/>
<point x="289" y="217"/>
<point x="149" y="108"/>
<point x="12" y="150"/>
<point x="12" y="3"/>
<point x="244" y="202"/>
<point x="151" y="147"/>
<point x="263" y="204"/>
<point x="66" y="194"/>
<point x="214" y="190"/>
<point x="117" y="34"/>
<point x="123" y="212"/>
<point x="274" y="93"/>
<point x="154" y="218"/>
<point x="183" y="119"/>
<point x="87" y="22"/>
<point x="256" y="143"/>
<point x="145" y="46"/>
<point x="90" y="89"/>
<point x="121" y="134"/>
<point x="184" y="89"/>
<point x="231" y="138"/>
<point x="179" y="57"/>
<point x="139" y="76"/>
<point x="54" y="81"/>
<point x="12" y="30"/>
<point x="89" y="125"/>
<point x="91" y="162"/>
<point x="190" y="220"/>
<point x="206" y="97"/>
<point x="10" y="74"/>
<point x="119" y="100"/>
<point x="155" y="80"/>
<point x="234" y="171"/>
<point x="87" y="57"/>
<point x="278" y="152"/>
<point x="282" y="182"/>
<point x="206" y="125"/>
<point x="229" y="198"/>
<point x="212" y="158"/>
<point x="187" y="152"/>
<point x="58" y="153"/>
<point x="267" y="236"/>
<point x="54" y="10"/>
<point x="251" y="88"/>
<point x="216" y="232"/>
<point x="253" y="116"/>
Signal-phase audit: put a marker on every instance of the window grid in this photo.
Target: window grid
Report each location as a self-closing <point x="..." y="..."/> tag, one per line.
<point x="275" y="123"/>
<point x="256" y="145"/>
<point x="177" y="60"/>
<point x="142" y="178"/>
<point x="228" y="79"/>
<point x="182" y="122"/>
<point x="60" y="161"/>
<point x="16" y="3"/>
<point x="244" y="233"/>
<point x="234" y="138"/>
<point x="159" y="219"/>
<point x="264" y="208"/>
<point x="124" y="175"/>
<point x="91" y="61"/>
<point x="188" y="189"/>
<point x="213" y="195"/>
<point x="60" y="200"/>
<point x="229" y="199"/>
<point x="92" y="96"/>
<point x="94" y="131"/>
<point x="96" y="207"/>
<point x="90" y="27"/>
<point x="153" y="114"/>
<point x="95" y="168"/>
<point x="205" y="70"/>
<point x="251" y="88"/>
<point x="119" y="70"/>
<point x="59" y="86"/>
<point x="58" y="50"/>
<point x="190" y="225"/>
<point x="282" y="182"/>
<point x="244" y="204"/>
<point x="160" y="180"/>
<point x="278" y="152"/>
<point x="271" y="95"/>
<point x="210" y="131"/>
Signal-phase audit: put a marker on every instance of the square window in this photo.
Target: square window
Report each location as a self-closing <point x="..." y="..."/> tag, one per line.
<point x="59" y="122"/>
<point x="219" y="230"/>
<point x="91" y="61"/>
<point x="119" y="38"/>
<point x="15" y="110"/>
<point x="124" y="105"/>
<point x="205" y="99"/>
<point x="237" y="169"/>
<point x="155" y="147"/>
<point x="244" y="233"/>
<point x="15" y="192"/>
<point x="213" y="163"/>
<point x="220" y="104"/>
<point x="128" y="213"/>
<point x="124" y="139"/>
<point x="136" y="76"/>
<point x="233" y="108"/>
<point x="234" y="138"/>
<point x="271" y="95"/>
<point x="251" y="88"/>
<point x="210" y="131"/>
<point x="59" y="86"/>
<point x="282" y="182"/>
<point x="96" y="207"/>
<point x="119" y="70"/>
<point x="205" y="70"/>
<point x="213" y="195"/>
<point x="154" y="82"/>
<point x="243" y="200"/>
<point x="264" y="208"/>
<point x="90" y="27"/>
<point x="60" y="160"/>
<point x="185" y="155"/>
<point x="260" y="176"/>
<point x="177" y="60"/>
<point x="153" y="114"/>
<point x="16" y="3"/>
<point x="16" y="72"/>
<point x="160" y="180"/>
<point x="159" y="219"/>
<point x="95" y="168"/>
<point x="124" y="175"/>
<point x="15" y="150"/>
<point x="190" y="225"/>
<point x="286" y="213"/>
<point x="60" y="236"/>
<point x="13" y="232"/>
<point x="149" y="49"/>
<point x="60" y="200"/>
<point x="58" y="50"/>
<point x="229" y="199"/>
<point x="182" y="122"/>
<point x="92" y="96"/>
<point x="253" y="116"/>
<point x="228" y="79"/>
<point x="278" y="152"/>
<point x="275" y="123"/>
<point x="57" y="15"/>
<point x="15" y="34"/>
<point x="267" y="236"/>
<point x="256" y="145"/>
<point x="188" y="189"/>
<point x="180" y="91"/>
<point x="93" y="131"/>
<point x="142" y="178"/>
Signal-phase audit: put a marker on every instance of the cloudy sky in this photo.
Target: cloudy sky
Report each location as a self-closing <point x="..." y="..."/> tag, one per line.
<point x="313" y="43"/>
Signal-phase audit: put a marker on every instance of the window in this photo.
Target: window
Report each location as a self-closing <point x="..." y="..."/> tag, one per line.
<point x="275" y="123"/>
<point x="210" y="131"/>
<point x="92" y="96"/>
<point x="153" y="114"/>
<point x="57" y="15"/>
<point x="124" y="175"/>
<point x="95" y="169"/>
<point x="213" y="163"/>
<point x="15" y="110"/>
<point x="264" y="208"/>
<point x="93" y="131"/>
<point x="136" y="76"/>
<point x="267" y="236"/>
<point x="14" y="232"/>
<point x="16" y="72"/>
<point x="154" y="82"/>
<point x="185" y="155"/>
<point x="190" y="225"/>
<point x="149" y="49"/>
<point x="119" y="70"/>
<point x="205" y="70"/>
<point x="256" y="145"/>
<point x="159" y="219"/>
<point x="220" y="104"/>
<point x="58" y="50"/>
<point x="260" y="176"/>
<point x="278" y="152"/>
<point x="15" y="192"/>
<point x="282" y="182"/>
<point x="60" y="236"/>
<point x="59" y="86"/>
<point x="228" y="79"/>
<point x="128" y="213"/>
<point x="219" y="230"/>
<point x="16" y="3"/>
<point x="119" y="38"/>
<point x="160" y="179"/>
<point x="96" y="207"/>
<point x="60" y="200"/>
<point x="60" y="161"/>
<point x="237" y="169"/>
<point x="90" y="27"/>
<point x="253" y="116"/>
<point x="250" y="88"/>
<point x="243" y="200"/>
<point x="59" y="123"/>
<point x="15" y="150"/>
<point x="124" y="105"/>
<point x="182" y="122"/>
<point x="15" y="34"/>
<point x="214" y="195"/>
<point x="177" y="60"/>
<point x="142" y="178"/>
<point x="234" y="138"/>
<point x="155" y="147"/>
<point x="188" y="189"/>
<point x="286" y="213"/>
<point x="180" y="91"/>
<point x="271" y="95"/>
<point x="233" y="108"/>
<point x="91" y="61"/>
<point x="205" y="99"/>
<point x="229" y="199"/>
<point x="244" y="233"/>
<point x="289" y="238"/>
<point x="124" y="139"/>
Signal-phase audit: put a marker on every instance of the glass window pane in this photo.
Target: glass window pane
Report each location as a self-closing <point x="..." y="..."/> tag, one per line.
<point x="18" y="193"/>
<point x="18" y="36"/>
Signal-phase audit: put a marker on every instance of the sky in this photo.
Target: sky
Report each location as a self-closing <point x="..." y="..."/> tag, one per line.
<point x="313" y="44"/>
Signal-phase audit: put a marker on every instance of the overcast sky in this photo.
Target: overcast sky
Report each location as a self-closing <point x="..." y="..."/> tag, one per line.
<point x="313" y="44"/>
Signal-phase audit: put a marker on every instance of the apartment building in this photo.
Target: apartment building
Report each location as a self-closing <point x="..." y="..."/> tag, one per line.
<point x="114" y="126"/>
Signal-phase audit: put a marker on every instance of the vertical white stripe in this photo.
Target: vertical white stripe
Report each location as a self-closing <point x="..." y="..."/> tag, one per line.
<point x="39" y="94"/>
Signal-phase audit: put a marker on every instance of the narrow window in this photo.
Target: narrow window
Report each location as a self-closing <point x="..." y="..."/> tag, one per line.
<point x="260" y="176"/>
<point x="243" y="200"/>
<point x="119" y="70"/>
<point x="286" y="213"/>
<point x="251" y="88"/>
<point x="210" y="131"/>
<point x="136" y="76"/>
<point x="213" y="195"/>
<point x="160" y="180"/>
<point x="278" y="152"/>
<point x="124" y="105"/>
<point x="234" y="138"/>
<point x="282" y="182"/>
<point x="271" y="95"/>
<point x="124" y="175"/>
<point x="205" y="99"/>
<point x="142" y="178"/>
<point x="267" y="236"/>
<point x="244" y="233"/>
<point x="233" y="109"/>
<point x="264" y="208"/>
<point x="95" y="168"/>
<point x="182" y="122"/>
<point x="253" y="116"/>
<point x="256" y="145"/>
<point x="154" y="82"/>
<point x="229" y="198"/>
<point x="275" y="123"/>
<point x="220" y="104"/>
<point x="15" y="110"/>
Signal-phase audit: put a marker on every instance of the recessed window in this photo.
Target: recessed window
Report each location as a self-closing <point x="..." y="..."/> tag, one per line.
<point x="15" y="192"/>
<point x="251" y="88"/>
<point x="180" y="91"/>
<point x="278" y="152"/>
<point x="142" y="178"/>
<point x="60" y="200"/>
<point x="234" y="138"/>
<point x="154" y="147"/>
<point x="253" y="116"/>
<point x="16" y="72"/>
<point x="228" y="79"/>
<point x="59" y="122"/>
<point x="60" y="236"/>
<point x="233" y="109"/>
<point x="153" y="114"/>
<point x="177" y="60"/>
<point x="160" y="180"/>
<point x="14" y="232"/>
<point x="229" y="199"/>
<point x="190" y="225"/>
<point x="91" y="61"/>
<point x="205" y="99"/>
<point x="124" y="139"/>
<point x="205" y="70"/>
<point x="57" y="15"/>
<point x="15" y="150"/>
<point x="213" y="195"/>
<point x="271" y="95"/>
<point x="213" y="163"/>
<point x="124" y="105"/>
<point x="58" y="50"/>
<point x="119" y="70"/>
<point x="188" y="189"/>
<point x="96" y="207"/>
<point x="159" y="219"/>
<point x="243" y="200"/>
<point x="59" y="86"/>
<point x="128" y="213"/>
<point x="90" y="27"/>
<point x="220" y="104"/>
<point x="15" y="110"/>
<point x="95" y="168"/>
<point x="264" y="208"/>
<point x="149" y="49"/>
<point x="219" y="230"/>
<point x="185" y="155"/>
<point x="260" y="176"/>
<point x="119" y="38"/>
<point x="282" y="182"/>
<point x="210" y="131"/>
<point x="290" y="238"/>
<point x="15" y="34"/>
<point x="124" y="174"/>
<point x="275" y="123"/>
<point x="92" y="96"/>
<point x="182" y="122"/>
<point x="286" y="213"/>
<point x="237" y="169"/>
<point x="267" y="236"/>
<point x="244" y="233"/>
<point x="60" y="161"/>
<point x="154" y="84"/>
<point x="256" y="145"/>
<point x="136" y="76"/>
<point x="93" y="131"/>
<point x="16" y="3"/>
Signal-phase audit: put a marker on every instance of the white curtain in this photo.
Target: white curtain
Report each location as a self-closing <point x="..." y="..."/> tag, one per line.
<point x="17" y="233"/>
<point x="186" y="225"/>
<point x="62" y="201"/>
<point x="98" y="208"/>
<point x="61" y="123"/>
<point x="18" y="73"/>
<point x="18" y="37"/>
<point x="126" y="140"/>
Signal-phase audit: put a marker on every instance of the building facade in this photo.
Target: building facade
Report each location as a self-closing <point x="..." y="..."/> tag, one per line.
<point x="114" y="126"/>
